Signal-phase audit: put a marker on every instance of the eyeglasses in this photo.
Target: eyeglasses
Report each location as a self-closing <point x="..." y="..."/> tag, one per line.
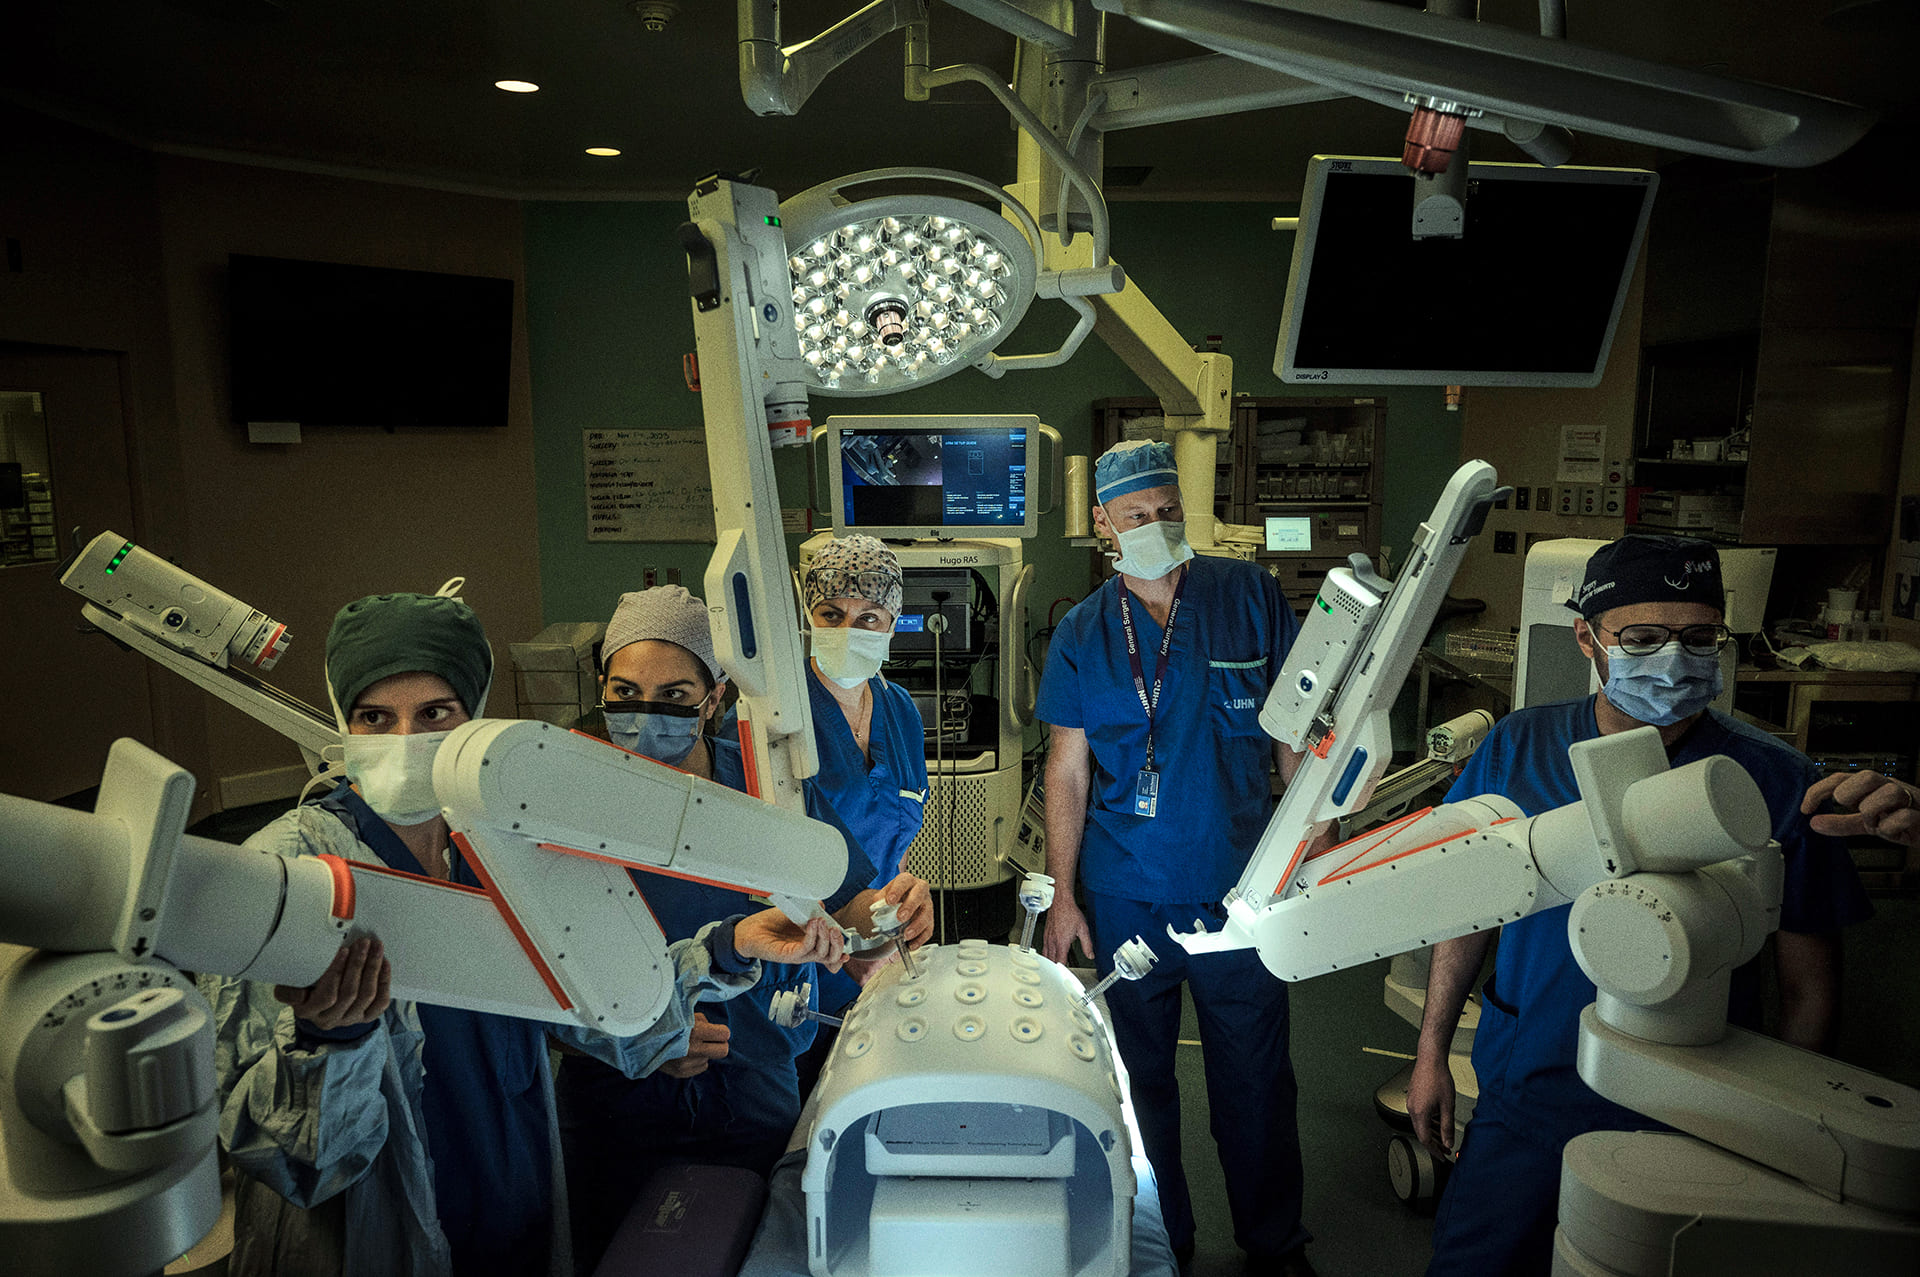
<point x="840" y="583"/>
<point x="1645" y="640"/>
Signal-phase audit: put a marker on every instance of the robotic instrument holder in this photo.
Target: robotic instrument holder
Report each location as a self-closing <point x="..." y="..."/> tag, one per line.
<point x="1023" y="1163"/>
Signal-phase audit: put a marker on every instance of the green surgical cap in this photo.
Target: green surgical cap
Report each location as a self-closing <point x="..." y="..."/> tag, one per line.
<point x="387" y="634"/>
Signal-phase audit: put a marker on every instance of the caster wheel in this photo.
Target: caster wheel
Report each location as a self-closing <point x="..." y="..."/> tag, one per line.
<point x="1416" y="1175"/>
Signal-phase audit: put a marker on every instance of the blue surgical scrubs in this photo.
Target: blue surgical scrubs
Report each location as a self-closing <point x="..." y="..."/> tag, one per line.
<point x="1139" y="873"/>
<point x="617" y="1130"/>
<point x="880" y="797"/>
<point x="485" y="1106"/>
<point x="1498" y="1213"/>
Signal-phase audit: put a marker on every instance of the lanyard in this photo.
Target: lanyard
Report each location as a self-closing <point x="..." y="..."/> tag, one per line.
<point x="1149" y="702"/>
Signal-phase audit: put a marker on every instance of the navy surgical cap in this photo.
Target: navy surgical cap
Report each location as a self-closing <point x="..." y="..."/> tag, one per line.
<point x="1650" y="569"/>
<point x="387" y="634"/>
<point x="1131" y="466"/>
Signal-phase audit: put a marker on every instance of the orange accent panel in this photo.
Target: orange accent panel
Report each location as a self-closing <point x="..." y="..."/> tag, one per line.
<point x="748" y="762"/>
<point x="650" y="869"/>
<point x="1384" y="832"/>
<point x="1291" y="866"/>
<point x="1399" y="855"/>
<point x="513" y="924"/>
<point x="1324" y="744"/>
<point x="443" y="885"/>
<point x="342" y="886"/>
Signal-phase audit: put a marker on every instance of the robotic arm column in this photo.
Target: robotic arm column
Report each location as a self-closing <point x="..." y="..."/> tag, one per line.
<point x="753" y="398"/>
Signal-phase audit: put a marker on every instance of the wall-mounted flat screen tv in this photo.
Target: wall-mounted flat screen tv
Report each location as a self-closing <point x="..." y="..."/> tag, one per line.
<point x="1528" y="295"/>
<point x="325" y="344"/>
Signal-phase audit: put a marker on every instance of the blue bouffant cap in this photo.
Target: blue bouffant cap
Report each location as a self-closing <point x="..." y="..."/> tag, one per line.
<point x="1650" y="569"/>
<point x="1130" y="466"/>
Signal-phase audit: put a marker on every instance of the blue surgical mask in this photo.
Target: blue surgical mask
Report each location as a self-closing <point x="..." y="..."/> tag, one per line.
<point x="1662" y="687"/>
<point x="658" y="730"/>
<point x="1152" y="550"/>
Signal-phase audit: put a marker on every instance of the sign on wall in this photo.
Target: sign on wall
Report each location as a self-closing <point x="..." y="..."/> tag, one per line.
<point x="648" y="485"/>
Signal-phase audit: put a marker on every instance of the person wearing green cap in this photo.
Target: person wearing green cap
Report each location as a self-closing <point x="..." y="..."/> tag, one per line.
<point x="370" y="1135"/>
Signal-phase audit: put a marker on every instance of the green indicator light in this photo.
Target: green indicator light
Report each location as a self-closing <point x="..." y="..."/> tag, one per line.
<point x="124" y="551"/>
<point x="772" y="221"/>
<point x="1324" y="605"/>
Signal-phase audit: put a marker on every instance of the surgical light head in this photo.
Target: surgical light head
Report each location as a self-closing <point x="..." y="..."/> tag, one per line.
<point x="174" y="606"/>
<point x="898" y="291"/>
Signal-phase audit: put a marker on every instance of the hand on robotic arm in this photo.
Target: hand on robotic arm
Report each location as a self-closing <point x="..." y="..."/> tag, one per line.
<point x="1882" y="806"/>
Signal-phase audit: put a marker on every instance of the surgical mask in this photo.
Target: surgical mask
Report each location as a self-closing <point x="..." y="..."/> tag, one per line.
<point x="850" y="656"/>
<point x="1662" y="687"/>
<point x="657" y="729"/>
<point x="394" y="774"/>
<point x="1152" y="550"/>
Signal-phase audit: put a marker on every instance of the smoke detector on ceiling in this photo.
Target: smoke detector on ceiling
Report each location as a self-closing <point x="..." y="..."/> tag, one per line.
<point x="654" y="15"/>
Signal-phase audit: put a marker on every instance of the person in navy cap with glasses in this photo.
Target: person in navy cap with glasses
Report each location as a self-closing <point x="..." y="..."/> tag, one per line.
<point x="1652" y="622"/>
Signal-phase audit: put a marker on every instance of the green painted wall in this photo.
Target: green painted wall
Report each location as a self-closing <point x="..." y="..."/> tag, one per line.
<point x="608" y="323"/>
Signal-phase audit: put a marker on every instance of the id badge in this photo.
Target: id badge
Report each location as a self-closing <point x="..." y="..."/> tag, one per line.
<point x="1146" y="792"/>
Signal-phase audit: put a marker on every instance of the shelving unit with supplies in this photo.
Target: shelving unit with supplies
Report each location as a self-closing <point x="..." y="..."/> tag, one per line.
<point x="1314" y="464"/>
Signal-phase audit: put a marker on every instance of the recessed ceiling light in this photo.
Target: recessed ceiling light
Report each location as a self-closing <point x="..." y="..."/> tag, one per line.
<point x="603" y="150"/>
<point x="517" y="86"/>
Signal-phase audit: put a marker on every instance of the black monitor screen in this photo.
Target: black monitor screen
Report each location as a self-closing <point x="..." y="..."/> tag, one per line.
<point x="1528" y="295"/>
<point x="931" y="479"/>
<point x="331" y="345"/>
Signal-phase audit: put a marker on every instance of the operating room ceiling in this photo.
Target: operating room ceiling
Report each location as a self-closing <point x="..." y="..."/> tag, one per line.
<point x="404" y="88"/>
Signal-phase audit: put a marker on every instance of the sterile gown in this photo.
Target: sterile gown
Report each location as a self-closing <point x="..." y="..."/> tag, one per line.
<point x="424" y="1143"/>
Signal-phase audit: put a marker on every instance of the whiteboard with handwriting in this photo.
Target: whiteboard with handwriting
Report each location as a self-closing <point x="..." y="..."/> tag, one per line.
<point x="648" y="485"/>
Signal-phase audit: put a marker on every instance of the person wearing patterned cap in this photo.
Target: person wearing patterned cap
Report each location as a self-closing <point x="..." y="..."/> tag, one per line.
<point x="374" y="1136"/>
<point x="1651" y="620"/>
<point x="1158" y="791"/>
<point x="873" y="756"/>
<point x="872" y="743"/>
<point x="733" y="1097"/>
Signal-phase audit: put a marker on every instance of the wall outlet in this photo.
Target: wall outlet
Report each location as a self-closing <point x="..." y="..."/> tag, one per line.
<point x="1505" y="542"/>
<point x="1543" y="500"/>
<point x="1613" y="502"/>
<point x="1566" y="499"/>
<point x="1589" y="501"/>
<point x="1522" y="498"/>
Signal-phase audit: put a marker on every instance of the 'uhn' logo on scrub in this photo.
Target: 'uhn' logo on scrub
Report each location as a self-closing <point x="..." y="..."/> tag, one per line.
<point x="1240" y="702"/>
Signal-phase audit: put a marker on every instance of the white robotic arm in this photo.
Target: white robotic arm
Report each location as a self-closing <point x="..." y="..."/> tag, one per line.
<point x="198" y="631"/>
<point x="1332" y="698"/>
<point x="107" y="1106"/>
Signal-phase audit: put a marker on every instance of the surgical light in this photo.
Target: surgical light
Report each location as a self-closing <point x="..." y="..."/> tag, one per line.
<point x="901" y="290"/>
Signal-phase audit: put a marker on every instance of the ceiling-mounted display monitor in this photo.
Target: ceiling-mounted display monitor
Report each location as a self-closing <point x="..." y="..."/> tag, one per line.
<point x="919" y="478"/>
<point x="1528" y="295"/>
